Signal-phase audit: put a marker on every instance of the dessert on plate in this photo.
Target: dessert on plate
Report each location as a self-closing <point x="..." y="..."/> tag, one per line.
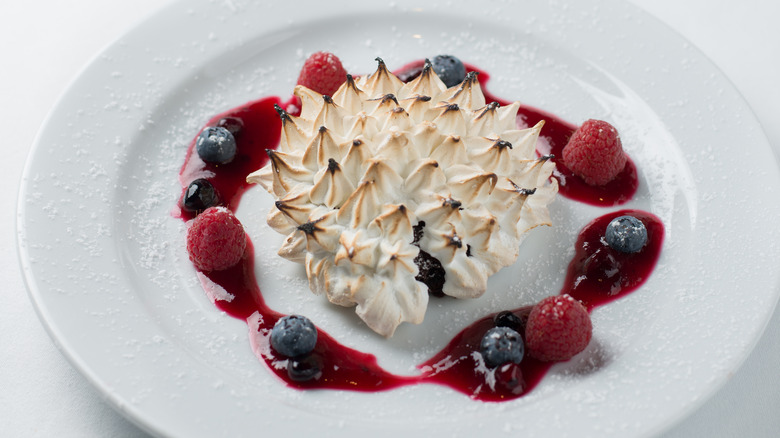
<point x="388" y="190"/>
<point x="391" y="188"/>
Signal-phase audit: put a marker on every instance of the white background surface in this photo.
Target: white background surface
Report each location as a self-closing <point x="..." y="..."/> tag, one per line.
<point x="46" y="43"/>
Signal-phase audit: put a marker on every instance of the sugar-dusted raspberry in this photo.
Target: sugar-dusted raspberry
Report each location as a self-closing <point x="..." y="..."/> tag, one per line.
<point x="595" y="153"/>
<point x="558" y="328"/>
<point x="216" y="240"/>
<point x="323" y="73"/>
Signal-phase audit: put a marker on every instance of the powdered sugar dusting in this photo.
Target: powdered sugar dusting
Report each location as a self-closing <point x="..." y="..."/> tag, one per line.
<point x="99" y="242"/>
<point x="214" y="291"/>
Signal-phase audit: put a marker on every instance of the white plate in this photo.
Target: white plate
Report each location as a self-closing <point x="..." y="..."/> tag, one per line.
<point x="106" y="267"/>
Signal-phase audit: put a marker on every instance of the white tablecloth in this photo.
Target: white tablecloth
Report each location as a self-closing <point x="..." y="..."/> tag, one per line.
<point x="45" y="43"/>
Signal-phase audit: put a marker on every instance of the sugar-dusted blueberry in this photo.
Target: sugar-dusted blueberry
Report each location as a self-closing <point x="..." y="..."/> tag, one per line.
<point x="626" y="234"/>
<point x="303" y="369"/>
<point x="216" y="145"/>
<point x="449" y="69"/>
<point x="501" y="345"/>
<point x="293" y="336"/>
<point x="200" y="195"/>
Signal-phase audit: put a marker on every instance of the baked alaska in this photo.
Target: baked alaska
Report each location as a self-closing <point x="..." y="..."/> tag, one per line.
<point x="390" y="191"/>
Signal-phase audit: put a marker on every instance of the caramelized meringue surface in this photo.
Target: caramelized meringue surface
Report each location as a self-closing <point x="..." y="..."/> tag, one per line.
<point x="355" y="173"/>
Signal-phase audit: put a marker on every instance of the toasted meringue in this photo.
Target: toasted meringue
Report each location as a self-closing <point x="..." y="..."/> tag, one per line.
<point x="355" y="173"/>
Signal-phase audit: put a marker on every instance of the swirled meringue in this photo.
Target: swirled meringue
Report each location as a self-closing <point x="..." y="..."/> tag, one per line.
<point x="357" y="173"/>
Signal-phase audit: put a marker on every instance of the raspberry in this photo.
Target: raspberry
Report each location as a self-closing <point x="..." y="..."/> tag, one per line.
<point x="323" y="73"/>
<point x="216" y="240"/>
<point x="558" y="328"/>
<point x="595" y="153"/>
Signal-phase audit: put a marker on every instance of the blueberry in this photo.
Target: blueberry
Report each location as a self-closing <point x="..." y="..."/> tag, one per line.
<point x="450" y="69"/>
<point x="431" y="273"/>
<point x="216" y="145"/>
<point x="409" y="74"/>
<point x="200" y="195"/>
<point x="501" y="345"/>
<point x="294" y="336"/>
<point x="508" y="319"/>
<point x="302" y="369"/>
<point x="626" y="234"/>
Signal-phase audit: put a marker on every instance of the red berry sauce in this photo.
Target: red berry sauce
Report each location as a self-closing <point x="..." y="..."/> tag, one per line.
<point x="599" y="274"/>
<point x="555" y="134"/>
<point x="257" y="125"/>
<point x="343" y="367"/>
